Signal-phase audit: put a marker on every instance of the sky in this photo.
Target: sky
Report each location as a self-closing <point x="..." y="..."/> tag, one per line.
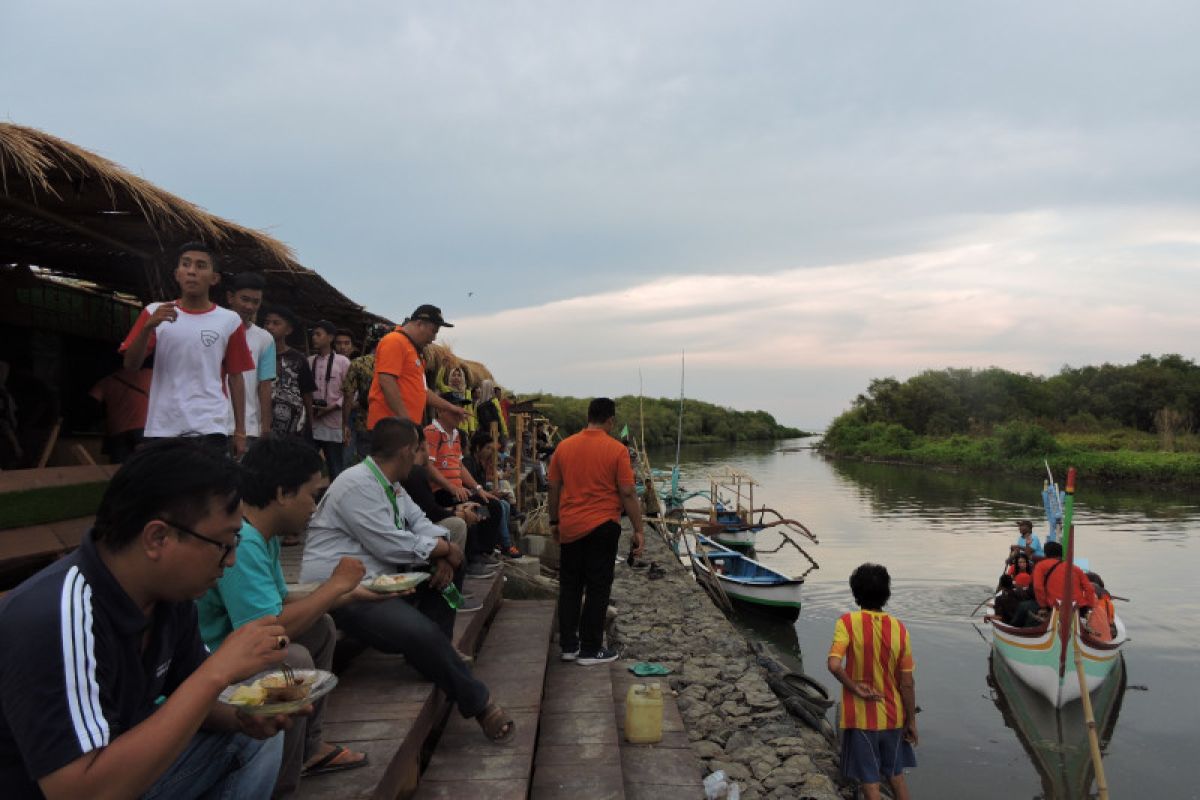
<point x="799" y="195"/>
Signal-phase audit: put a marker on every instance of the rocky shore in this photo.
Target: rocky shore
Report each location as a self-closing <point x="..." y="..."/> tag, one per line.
<point x="734" y="721"/>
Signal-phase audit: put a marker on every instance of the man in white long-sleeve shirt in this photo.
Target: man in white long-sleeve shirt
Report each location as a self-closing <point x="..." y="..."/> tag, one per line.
<point x="367" y="515"/>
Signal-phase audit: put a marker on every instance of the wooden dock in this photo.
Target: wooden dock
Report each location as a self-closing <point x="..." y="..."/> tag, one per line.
<point x="570" y="721"/>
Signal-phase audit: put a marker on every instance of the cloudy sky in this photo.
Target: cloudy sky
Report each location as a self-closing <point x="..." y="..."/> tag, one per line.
<point x="803" y="195"/>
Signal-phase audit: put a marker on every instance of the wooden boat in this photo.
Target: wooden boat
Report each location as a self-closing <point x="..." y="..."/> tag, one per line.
<point x="1056" y="738"/>
<point x="747" y="581"/>
<point x="1044" y="656"/>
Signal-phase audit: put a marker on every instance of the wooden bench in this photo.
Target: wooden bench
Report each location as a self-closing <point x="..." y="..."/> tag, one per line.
<point x="384" y="708"/>
<point x="578" y="747"/>
<point x="512" y="663"/>
<point x="668" y="770"/>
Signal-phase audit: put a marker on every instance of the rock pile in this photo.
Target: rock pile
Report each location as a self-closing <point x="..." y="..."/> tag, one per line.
<point x="734" y="721"/>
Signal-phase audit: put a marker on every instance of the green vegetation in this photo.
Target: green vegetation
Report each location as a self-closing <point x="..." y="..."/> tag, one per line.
<point x="52" y="504"/>
<point x="702" y="422"/>
<point x="1113" y="422"/>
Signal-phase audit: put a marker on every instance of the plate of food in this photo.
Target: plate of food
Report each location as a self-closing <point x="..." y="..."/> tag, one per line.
<point x="272" y="693"/>
<point x="393" y="584"/>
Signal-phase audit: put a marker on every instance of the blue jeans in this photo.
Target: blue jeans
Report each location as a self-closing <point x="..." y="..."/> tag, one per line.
<point x="505" y="536"/>
<point x="221" y="766"/>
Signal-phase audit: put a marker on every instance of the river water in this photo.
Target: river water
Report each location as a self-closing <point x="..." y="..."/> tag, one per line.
<point x="944" y="546"/>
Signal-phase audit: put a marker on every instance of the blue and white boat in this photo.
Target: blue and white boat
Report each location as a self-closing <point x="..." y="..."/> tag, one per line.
<point x="747" y="581"/>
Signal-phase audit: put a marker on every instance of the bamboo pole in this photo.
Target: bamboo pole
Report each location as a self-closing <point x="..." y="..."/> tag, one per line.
<point x="1090" y="720"/>
<point x="520" y="451"/>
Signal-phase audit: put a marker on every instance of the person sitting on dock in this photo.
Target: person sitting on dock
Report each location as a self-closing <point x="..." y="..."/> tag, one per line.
<point x="91" y="645"/>
<point x="367" y="515"/>
<point x="590" y="483"/>
<point x="475" y="463"/>
<point x="457" y="519"/>
<point x="1050" y="581"/>
<point x="281" y="478"/>
<point x="1028" y="541"/>
<point x="453" y="484"/>
<point x="871" y="656"/>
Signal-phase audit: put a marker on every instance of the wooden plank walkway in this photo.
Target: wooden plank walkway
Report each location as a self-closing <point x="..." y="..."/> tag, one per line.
<point x="578" y="752"/>
<point x="384" y="708"/>
<point x="668" y="770"/>
<point x="511" y="662"/>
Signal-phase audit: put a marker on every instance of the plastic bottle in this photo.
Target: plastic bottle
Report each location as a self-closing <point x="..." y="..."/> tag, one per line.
<point x="452" y="596"/>
<point x="644" y="713"/>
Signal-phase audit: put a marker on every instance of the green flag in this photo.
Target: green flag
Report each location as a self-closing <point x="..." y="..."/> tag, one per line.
<point x="625" y="432"/>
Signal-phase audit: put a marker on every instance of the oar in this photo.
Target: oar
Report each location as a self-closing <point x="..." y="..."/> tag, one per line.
<point x="1090" y="720"/>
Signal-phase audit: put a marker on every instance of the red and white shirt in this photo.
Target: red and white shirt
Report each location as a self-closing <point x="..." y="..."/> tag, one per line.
<point x="192" y="356"/>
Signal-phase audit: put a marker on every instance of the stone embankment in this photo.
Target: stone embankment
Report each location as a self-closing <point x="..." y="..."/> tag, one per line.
<point x="734" y="721"/>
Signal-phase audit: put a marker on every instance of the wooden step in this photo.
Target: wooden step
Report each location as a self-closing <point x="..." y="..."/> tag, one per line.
<point x="578" y="752"/>
<point x="668" y="770"/>
<point x="383" y="707"/>
<point x="512" y="663"/>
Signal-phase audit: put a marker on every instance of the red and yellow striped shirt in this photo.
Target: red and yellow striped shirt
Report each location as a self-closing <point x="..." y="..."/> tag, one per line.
<point x="877" y="649"/>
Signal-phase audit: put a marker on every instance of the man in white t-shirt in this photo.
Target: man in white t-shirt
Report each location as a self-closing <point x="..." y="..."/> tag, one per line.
<point x="245" y="296"/>
<point x="196" y="343"/>
<point x="329" y="370"/>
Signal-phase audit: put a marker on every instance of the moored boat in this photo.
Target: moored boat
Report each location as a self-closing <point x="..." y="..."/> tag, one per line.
<point x="747" y="581"/>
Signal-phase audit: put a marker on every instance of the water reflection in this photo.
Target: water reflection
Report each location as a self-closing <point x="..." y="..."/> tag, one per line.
<point x="943" y="546"/>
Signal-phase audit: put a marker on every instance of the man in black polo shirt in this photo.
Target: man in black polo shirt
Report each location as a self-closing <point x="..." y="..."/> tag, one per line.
<point x="106" y="689"/>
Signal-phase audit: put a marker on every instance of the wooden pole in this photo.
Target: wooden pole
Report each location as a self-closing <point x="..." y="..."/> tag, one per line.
<point x="51" y="440"/>
<point x="519" y="424"/>
<point x="1090" y="720"/>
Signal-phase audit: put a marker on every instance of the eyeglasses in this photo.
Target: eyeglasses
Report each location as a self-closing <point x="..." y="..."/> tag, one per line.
<point x="226" y="548"/>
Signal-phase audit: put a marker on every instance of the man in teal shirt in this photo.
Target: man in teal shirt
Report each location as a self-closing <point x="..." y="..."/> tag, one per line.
<point x="281" y="478"/>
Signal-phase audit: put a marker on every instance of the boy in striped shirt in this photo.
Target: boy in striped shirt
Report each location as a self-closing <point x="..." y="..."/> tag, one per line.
<point x="871" y="657"/>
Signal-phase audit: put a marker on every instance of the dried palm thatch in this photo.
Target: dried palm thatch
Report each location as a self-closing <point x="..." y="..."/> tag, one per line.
<point x="75" y="214"/>
<point x="43" y="162"/>
<point x="442" y="357"/>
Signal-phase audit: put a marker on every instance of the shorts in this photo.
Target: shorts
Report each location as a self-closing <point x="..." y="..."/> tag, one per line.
<point x="873" y="756"/>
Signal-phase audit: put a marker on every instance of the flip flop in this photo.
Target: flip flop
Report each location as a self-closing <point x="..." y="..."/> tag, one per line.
<point x="497" y="724"/>
<point x="328" y="763"/>
<point x="645" y="669"/>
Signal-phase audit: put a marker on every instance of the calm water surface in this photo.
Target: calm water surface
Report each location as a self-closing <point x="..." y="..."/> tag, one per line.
<point x="944" y="546"/>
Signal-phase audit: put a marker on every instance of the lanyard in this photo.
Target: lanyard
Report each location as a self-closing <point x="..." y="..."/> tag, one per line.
<point x="387" y="488"/>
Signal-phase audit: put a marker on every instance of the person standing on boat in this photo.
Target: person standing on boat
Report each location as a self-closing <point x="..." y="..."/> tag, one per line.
<point x="590" y="482"/>
<point x="872" y="658"/>
<point x="1028" y="541"/>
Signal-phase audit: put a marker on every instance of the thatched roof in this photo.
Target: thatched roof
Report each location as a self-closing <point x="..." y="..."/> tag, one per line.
<point x="441" y="357"/>
<point x="72" y="212"/>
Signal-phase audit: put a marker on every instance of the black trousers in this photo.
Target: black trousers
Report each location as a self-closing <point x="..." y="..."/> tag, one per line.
<point x="585" y="576"/>
<point x="484" y="536"/>
<point x="418" y="627"/>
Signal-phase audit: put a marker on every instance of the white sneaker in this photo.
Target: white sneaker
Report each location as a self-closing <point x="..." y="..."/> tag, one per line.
<point x="571" y="656"/>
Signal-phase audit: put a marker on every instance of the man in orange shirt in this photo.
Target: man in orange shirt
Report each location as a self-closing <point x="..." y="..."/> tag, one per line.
<point x="879" y="698"/>
<point x="590" y="483"/>
<point x="398" y="388"/>
<point x="1050" y="580"/>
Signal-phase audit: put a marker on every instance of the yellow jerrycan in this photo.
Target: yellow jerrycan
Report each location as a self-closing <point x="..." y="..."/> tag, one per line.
<point x="644" y="713"/>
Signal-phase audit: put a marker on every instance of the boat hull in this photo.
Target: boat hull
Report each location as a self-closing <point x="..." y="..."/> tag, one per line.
<point x="1045" y="660"/>
<point x="749" y="582"/>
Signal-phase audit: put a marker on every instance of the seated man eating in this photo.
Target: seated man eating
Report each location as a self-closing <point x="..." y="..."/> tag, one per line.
<point x="281" y="477"/>
<point x="367" y="515"/>
<point x="91" y="646"/>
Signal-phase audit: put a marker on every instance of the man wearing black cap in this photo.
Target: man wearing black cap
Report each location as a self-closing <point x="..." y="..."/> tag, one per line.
<point x="399" y="388"/>
<point x="329" y="370"/>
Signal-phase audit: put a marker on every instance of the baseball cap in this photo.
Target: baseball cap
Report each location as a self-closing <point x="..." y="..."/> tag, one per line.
<point x="430" y="314"/>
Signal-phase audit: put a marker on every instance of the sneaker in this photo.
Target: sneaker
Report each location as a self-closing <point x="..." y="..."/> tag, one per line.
<point x="477" y="569"/>
<point x="591" y="657"/>
<point x="512" y="551"/>
<point x="486" y="558"/>
<point x="469" y="604"/>
<point x="569" y="656"/>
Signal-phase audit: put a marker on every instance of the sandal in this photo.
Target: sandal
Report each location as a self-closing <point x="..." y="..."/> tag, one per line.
<point x="330" y="762"/>
<point x="497" y="724"/>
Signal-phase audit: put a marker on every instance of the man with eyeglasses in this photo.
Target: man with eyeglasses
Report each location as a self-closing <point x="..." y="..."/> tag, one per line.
<point x="399" y="388"/>
<point x="106" y="688"/>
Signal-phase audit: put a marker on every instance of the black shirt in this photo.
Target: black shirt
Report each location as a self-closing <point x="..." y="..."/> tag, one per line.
<point x="417" y="486"/>
<point x="73" y="674"/>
